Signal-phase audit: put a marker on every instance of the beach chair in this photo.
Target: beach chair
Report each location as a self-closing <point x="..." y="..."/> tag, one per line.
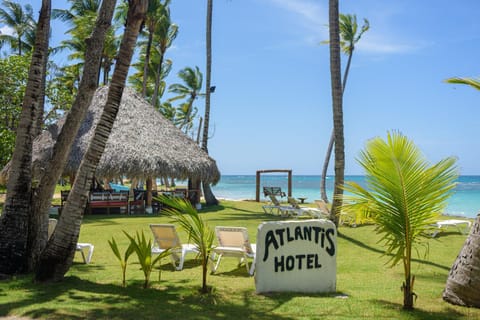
<point x="166" y="237"/>
<point x="276" y="191"/>
<point x="305" y="211"/>
<point x="234" y="242"/>
<point x="463" y="226"/>
<point x="275" y="205"/>
<point x="52" y="224"/>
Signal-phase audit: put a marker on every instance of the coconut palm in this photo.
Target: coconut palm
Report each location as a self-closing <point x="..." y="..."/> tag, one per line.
<point x="403" y="195"/>
<point x="155" y="11"/>
<point x="199" y="232"/>
<point x="190" y="90"/>
<point x="207" y="190"/>
<point x="337" y="106"/>
<point x="348" y="39"/>
<point x="16" y="217"/>
<point x="165" y="33"/>
<point x="463" y="283"/>
<point x="22" y="22"/>
<point x="58" y="256"/>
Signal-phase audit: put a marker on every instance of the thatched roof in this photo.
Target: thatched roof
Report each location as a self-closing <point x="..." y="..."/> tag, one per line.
<point x="142" y="143"/>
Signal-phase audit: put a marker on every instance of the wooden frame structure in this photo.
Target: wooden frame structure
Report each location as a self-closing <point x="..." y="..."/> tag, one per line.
<point x="259" y="172"/>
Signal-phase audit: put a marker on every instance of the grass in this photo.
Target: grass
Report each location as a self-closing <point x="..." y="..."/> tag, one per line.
<point x="366" y="288"/>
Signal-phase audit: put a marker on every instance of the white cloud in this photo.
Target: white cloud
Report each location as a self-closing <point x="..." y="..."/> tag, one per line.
<point x="7" y="30"/>
<point x="312" y="15"/>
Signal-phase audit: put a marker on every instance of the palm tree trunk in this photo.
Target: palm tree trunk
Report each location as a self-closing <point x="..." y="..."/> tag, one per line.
<point x="463" y="283"/>
<point x="207" y="190"/>
<point x="337" y="101"/>
<point x="57" y="257"/>
<point x="146" y="63"/>
<point x="14" y="222"/>
<point x="42" y="199"/>
<point x="158" y="76"/>
<point x="328" y="155"/>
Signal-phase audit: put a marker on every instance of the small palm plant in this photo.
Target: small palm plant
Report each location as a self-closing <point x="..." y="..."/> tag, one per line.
<point x="404" y="195"/>
<point x="199" y="233"/>
<point x="123" y="260"/>
<point x="143" y="249"/>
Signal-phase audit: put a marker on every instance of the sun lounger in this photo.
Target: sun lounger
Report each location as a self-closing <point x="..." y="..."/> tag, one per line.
<point x="463" y="226"/>
<point x="52" y="223"/>
<point x="275" y="206"/>
<point x="234" y="242"/>
<point x="305" y="211"/>
<point x="166" y="237"/>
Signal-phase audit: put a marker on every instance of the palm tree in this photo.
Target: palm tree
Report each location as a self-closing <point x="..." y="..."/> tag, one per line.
<point x="22" y="22"/>
<point x="337" y="106"/>
<point x="404" y="195"/>
<point x="58" y="256"/>
<point x="165" y="33"/>
<point x="463" y="283"/>
<point x="16" y="217"/>
<point x="207" y="191"/>
<point x="87" y="87"/>
<point x="190" y="90"/>
<point x="155" y="11"/>
<point x="348" y="39"/>
<point x="199" y="232"/>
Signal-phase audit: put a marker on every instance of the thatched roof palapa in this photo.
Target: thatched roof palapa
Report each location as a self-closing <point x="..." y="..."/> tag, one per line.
<point x="142" y="144"/>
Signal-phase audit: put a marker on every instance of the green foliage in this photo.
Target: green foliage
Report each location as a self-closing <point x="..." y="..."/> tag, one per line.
<point x="123" y="260"/>
<point x="472" y="82"/>
<point x="13" y="79"/>
<point x="143" y="249"/>
<point x="199" y="232"/>
<point x="404" y="196"/>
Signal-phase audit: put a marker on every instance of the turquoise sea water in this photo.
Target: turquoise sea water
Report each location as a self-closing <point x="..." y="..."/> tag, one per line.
<point x="465" y="200"/>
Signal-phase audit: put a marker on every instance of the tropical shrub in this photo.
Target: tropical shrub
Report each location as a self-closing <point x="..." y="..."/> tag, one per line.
<point x="404" y="195"/>
<point x="199" y="233"/>
<point x="143" y="249"/>
<point x="123" y="260"/>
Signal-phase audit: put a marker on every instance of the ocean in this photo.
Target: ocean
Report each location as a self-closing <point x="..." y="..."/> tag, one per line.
<point x="464" y="202"/>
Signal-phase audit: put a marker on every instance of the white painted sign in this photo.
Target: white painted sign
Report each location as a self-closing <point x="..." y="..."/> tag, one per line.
<point x="296" y="256"/>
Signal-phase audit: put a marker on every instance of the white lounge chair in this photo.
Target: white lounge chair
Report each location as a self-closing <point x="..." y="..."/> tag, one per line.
<point x="234" y="242"/>
<point x="462" y="226"/>
<point x="52" y="224"/>
<point x="166" y="237"/>
<point x="275" y="205"/>
<point x="305" y="211"/>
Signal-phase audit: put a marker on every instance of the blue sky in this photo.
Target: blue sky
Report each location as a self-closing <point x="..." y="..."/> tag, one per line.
<point x="272" y="104"/>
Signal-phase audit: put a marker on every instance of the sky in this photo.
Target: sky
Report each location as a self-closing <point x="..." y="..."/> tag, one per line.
<point x="272" y="105"/>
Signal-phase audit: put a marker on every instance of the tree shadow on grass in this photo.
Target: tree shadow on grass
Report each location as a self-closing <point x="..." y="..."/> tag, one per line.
<point x="417" y="313"/>
<point x="108" y="301"/>
<point x="382" y="252"/>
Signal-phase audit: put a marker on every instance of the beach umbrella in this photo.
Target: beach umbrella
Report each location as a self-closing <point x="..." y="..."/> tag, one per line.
<point x="142" y="144"/>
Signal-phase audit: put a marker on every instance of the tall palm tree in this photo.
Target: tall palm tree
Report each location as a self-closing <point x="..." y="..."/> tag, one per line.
<point x="190" y="90"/>
<point x="207" y="190"/>
<point x="348" y="39"/>
<point x="15" y="219"/>
<point x="404" y="195"/>
<point x="22" y="22"/>
<point x="58" y="256"/>
<point x="88" y="84"/>
<point x="463" y="283"/>
<point x="164" y="35"/>
<point x="337" y="106"/>
<point x="155" y="11"/>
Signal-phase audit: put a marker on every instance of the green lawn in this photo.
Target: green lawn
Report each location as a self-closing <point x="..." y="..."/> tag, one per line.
<point x="366" y="288"/>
